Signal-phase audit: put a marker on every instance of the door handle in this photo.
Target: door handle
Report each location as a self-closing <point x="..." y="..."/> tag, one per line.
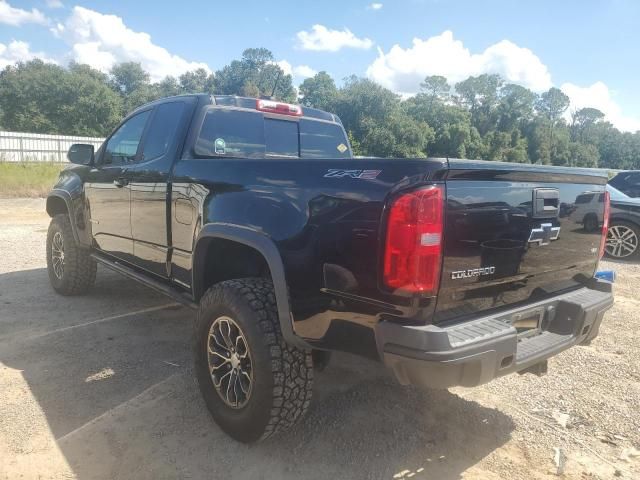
<point x="120" y="182"/>
<point x="546" y="202"/>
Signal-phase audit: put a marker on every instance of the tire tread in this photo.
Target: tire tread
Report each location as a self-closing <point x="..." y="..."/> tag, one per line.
<point x="79" y="268"/>
<point x="292" y="368"/>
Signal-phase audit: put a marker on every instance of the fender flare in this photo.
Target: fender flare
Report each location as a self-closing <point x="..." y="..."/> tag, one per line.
<point x="267" y="248"/>
<point x="625" y="217"/>
<point x="66" y="198"/>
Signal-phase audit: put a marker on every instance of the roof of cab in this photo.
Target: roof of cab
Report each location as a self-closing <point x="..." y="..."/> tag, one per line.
<point x="241" y="102"/>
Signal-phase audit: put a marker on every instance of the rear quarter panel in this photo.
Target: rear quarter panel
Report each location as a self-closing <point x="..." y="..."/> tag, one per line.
<point x="326" y="227"/>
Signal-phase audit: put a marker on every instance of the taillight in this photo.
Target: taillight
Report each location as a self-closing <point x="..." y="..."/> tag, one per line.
<point x="413" y="249"/>
<point x="605" y="222"/>
<point x="278" y="107"/>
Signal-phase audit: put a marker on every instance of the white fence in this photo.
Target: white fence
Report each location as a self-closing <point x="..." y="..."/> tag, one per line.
<point x="35" y="147"/>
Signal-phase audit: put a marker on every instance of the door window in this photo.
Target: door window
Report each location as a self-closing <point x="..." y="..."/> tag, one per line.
<point x="162" y="130"/>
<point x="123" y="144"/>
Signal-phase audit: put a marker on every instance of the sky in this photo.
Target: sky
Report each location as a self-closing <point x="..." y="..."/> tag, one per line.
<point x="587" y="48"/>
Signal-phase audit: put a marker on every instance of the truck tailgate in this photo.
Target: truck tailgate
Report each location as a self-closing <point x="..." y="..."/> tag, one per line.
<point x="516" y="234"/>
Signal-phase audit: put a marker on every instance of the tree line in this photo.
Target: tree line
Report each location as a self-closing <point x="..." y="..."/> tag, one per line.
<point x="482" y="117"/>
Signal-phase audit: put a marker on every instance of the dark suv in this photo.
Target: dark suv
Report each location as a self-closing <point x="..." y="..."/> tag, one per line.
<point x="627" y="182"/>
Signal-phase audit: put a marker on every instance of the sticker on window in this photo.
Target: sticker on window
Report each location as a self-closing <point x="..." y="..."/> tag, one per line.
<point x="220" y="146"/>
<point x="342" y="148"/>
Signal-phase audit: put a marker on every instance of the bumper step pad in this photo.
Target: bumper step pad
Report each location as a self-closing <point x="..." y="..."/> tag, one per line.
<point x="472" y="352"/>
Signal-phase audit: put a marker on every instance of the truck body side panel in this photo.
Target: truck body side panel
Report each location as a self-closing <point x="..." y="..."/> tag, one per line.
<point x="325" y="218"/>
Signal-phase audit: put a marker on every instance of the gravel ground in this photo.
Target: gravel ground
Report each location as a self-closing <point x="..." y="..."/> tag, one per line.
<point x="101" y="387"/>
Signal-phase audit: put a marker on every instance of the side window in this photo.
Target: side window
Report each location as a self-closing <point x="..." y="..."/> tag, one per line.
<point x="123" y="144"/>
<point x="584" y="198"/>
<point x="231" y="133"/>
<point x="162" y="130"/>
<point x="322" y="140"/>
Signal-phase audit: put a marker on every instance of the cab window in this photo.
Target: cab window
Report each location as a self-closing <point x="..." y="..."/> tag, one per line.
<point x="231" y="133"/>
<point x="322" y="140"/>
<point x="162" y="130"/>
<point x="123" y="145"/>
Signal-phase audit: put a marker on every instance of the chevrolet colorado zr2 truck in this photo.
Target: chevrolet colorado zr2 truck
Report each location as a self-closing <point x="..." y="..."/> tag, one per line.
<point x="255" y="213"/>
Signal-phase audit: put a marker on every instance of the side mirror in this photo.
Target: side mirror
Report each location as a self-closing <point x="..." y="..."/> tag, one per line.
<point x="81" y="153"/>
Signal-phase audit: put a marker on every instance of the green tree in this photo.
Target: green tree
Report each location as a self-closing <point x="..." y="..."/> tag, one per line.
<point x="454" y="136"/>
<point x="435" y="87"/>
<point x="516" y="106"/>
<point x="92" y="108"/>
<point x="376" y="118"/>
<point x="131" y="81"/>
<point x="582" y="121"/>
<point x="552" y="104"/>
<point x="168" y="87"/>
<point x="197" y="81"/>
<point x="255" y="74"/>
<point x="45" y="98"/>
<point x="480" y="96"/>
<point x="539" y="143"/>
<point x="486" y="119"/>
<point x="319" y="91"/>
<point x="128" y="76"/>
<point x="620" y="150"/>
<point x="506" y="147"/>
<point x="583" y="155"/>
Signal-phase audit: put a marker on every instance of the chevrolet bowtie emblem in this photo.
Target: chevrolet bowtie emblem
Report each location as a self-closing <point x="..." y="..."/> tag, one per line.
<point x="544" y="234"/>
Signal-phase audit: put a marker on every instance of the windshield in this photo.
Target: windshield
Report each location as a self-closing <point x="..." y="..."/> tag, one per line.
<point x="248" y="134"/>
<point x="616" y="194"/>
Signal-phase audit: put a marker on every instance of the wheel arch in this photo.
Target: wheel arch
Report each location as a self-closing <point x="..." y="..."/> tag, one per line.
<point x="60" y="202"/>
<point x="628" y="221"/>
<point x="623" y="217"/>
<point x="210" y="237"/>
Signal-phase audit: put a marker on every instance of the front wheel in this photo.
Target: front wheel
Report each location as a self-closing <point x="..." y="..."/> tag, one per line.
<point x="253" y="382"/>
<point x="622" y="240"/>
<point x="71" y="269"/>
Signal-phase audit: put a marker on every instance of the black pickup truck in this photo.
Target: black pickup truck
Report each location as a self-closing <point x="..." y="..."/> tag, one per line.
<point x="255" y="213"/>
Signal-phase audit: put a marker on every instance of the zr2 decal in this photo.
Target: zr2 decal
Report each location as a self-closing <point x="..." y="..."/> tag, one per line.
<point x="362" y="174"/>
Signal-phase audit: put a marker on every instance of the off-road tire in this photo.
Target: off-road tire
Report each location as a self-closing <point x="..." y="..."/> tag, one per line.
<point x="79" y="273"/>
<point x="282" y="374"/>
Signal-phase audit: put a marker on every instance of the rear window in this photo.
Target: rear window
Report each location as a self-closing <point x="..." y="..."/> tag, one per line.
<point x="281" y="138"/>
<point x="247" y="134"/>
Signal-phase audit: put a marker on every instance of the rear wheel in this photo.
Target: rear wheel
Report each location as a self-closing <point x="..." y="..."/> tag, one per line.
<point x="71" y="269"/>
<point x="253" y="382"/>
<point x="623" y="239"/>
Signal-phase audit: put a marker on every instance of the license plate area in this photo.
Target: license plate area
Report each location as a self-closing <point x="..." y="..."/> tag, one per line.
<point x="527" y="324"/>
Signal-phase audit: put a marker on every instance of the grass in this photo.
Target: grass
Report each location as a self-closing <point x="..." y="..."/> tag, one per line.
<point x="27" y="179"/>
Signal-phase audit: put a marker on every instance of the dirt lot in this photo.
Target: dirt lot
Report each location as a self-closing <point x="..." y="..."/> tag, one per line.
<point x="101" y="387"/>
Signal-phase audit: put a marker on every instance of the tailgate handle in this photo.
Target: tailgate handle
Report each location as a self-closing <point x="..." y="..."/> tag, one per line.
<point x="546" y="202"/>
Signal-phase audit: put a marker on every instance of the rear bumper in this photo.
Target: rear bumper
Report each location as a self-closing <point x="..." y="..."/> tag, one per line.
<point x="476" y="351"/>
